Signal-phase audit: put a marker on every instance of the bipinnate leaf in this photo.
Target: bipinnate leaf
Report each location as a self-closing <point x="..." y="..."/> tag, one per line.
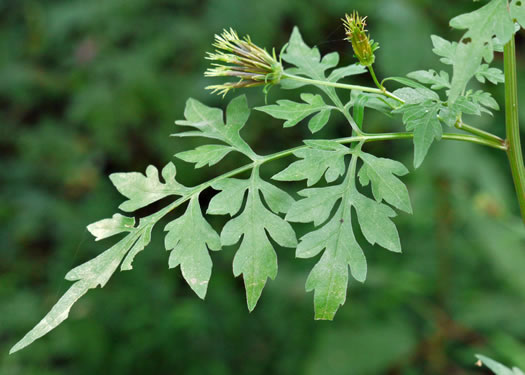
<point x="476" y="45"/>
<point x="189" y="238"/>
<point x="294" y="112"/>
<point x="386" y="186"/>
<point x="142" y="190"/>
<point x="255" y="259"/>
<point x="209" y="123"/>
<point x="89" y="275"/>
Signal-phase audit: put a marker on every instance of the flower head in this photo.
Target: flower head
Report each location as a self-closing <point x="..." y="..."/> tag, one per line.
<point x="241" y="58"/>
<point x="356" y="34"/>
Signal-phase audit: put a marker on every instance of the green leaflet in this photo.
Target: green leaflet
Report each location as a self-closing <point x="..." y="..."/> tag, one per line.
<point x="493" y="75"/>
<point x="437" y="81"/>
<point x="109" y="227"/>
<point x="93" y="273"/>
<point x="329" y="277"/>
<point x="444" y="48"/>
<point x="209" y="123"/>
<point x="498" y="368"/>
<point x="385" y="185"/>
<point x="189" y="238"/>
<point x="255" y="259"/>
<point x="142" y="190"/>
<point x="308" y="62"/>
<point x="205" y="155"/>
<point x="315" y="163"/>
<point x="294" y="112"/>
<point x="477" y="44"/>
<point x="422" y="119"/>
<point x="416" y="95"/>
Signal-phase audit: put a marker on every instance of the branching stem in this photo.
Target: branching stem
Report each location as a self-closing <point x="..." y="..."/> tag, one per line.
<point x="382" y="91"/>
<point x="364" y="138"/>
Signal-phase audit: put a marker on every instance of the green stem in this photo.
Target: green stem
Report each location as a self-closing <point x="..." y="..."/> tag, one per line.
<point x="373" y="74"/>
<point x="342" y="86"/>
<point x="282" y="154"/>
<point x="514" y="151"/>
<point x="383" y="91"/>
<point x="480" y="133"/>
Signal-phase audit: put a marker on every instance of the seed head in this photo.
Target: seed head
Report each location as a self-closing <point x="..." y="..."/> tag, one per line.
<point x="362" y="45"/>
<point x="241" y="58"/>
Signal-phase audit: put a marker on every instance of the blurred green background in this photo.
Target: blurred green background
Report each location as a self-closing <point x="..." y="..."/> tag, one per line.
<point x="88" y="88"/>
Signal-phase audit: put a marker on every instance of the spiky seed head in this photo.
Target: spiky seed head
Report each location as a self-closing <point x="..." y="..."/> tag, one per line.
<point x="241" y="58"/>
<point x="356" y="34"/>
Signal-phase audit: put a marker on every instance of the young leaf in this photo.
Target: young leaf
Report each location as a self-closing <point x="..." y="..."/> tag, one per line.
<point x="189" y="238"/>
<point x="209" y="123"/>
<point x="423" y="121"/>
<point x="476" y="45"/>
<point x="142" y="190"/>
<point x="256" y="259"/>
<point x="308" y="60"/>
<point x="294" y="112"/>
<point x="385" y="185"/>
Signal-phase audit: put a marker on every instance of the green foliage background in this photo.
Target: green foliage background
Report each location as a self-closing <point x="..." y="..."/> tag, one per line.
<point x="91" y="88"/>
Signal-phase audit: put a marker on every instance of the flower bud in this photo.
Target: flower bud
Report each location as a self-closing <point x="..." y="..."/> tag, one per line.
<point x="241" y="58"/>
<point x="356" y="34"/>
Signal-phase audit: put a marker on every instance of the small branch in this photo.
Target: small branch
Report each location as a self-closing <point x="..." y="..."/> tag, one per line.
<point x="514" y="151"/>
<point x="373" y="74"/>
<point x="480" y="133"/>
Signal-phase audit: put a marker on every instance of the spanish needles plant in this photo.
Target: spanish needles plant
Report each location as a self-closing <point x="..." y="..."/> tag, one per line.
<point x="260" y="211"/>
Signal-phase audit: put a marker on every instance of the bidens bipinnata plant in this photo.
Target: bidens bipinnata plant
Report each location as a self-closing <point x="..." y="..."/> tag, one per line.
<point x="259" y="211"/>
